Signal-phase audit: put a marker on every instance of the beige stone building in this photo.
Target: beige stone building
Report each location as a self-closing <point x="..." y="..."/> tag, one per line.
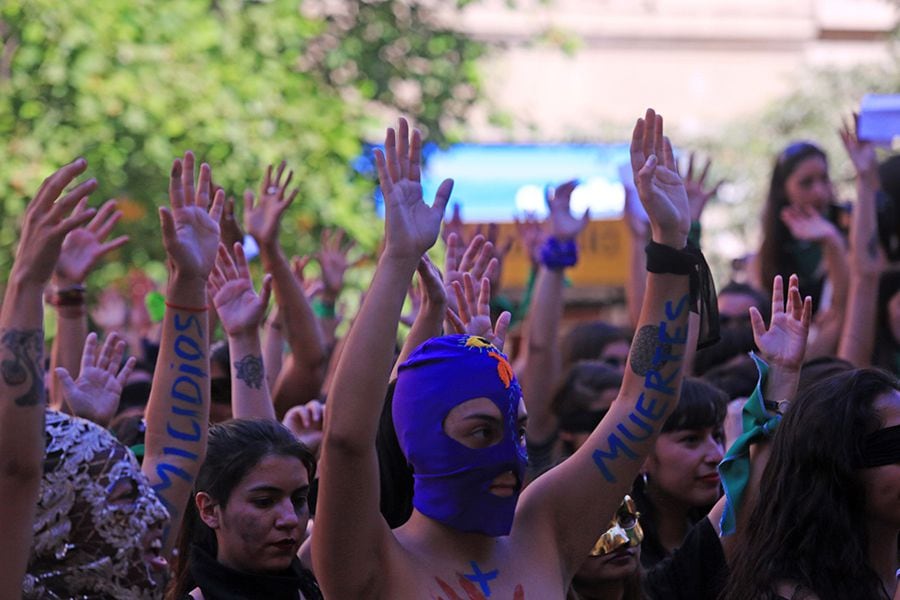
<point x="699" y="62"/>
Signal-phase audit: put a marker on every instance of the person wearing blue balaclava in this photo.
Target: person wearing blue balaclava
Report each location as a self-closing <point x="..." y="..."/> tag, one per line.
<point x="458" y="411"/>
<point x="452" y="480"/>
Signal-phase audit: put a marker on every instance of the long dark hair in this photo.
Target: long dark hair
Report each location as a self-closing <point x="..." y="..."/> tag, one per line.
<point x="774" y="257"/>
<point x="810" y="526"/>
<point x="233" y="448"/>
<point x="700" y="405"/>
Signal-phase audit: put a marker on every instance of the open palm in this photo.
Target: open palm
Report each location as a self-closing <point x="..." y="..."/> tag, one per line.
<point x="784" y="341"/>
<point x="190" y="231"/>
<point x="659" y="186"/>
<point x="96" y="393"/>
<point x="411" y="226"/>
<point x="240" y="309"/>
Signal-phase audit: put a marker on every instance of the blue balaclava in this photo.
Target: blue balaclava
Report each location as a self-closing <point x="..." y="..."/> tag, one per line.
<point x="452" y="480"/>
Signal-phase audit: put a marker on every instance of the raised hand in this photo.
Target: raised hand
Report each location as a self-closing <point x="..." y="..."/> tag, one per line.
<point x="531" y="233"/>
<point x="861" y="153"/>
<point x="563" y="225"/>
<point x="332" y="258"/>
<point x="48" y="219"/>
<point x="95" y="394"/>
<point x="240" y="309"/>
<point x="477" y="260"/>
<point x="229" y="226"/>
<point x="411" y="226"/>
<point x="82" y="248"/>
<point x="659" y="186"/>
<point x="262" y="219"/>
<point x="474" y="316"/>
<point x="191" y="226"/>
<point x="807" y="224"/>
<point x="305" y="421"/>
<point x="784" y="342"/>
<point x="698" y="192"/>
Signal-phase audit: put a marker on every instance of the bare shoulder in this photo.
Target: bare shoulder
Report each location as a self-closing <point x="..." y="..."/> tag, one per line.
<point x="196" y="594"/>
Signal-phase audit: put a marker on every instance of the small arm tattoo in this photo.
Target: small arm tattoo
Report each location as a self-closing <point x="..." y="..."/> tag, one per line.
<point x="250" y="370"/>
<point x="27" y="349"/>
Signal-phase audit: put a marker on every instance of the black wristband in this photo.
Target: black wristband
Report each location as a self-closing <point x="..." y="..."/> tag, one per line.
<point x="662" y="259"/>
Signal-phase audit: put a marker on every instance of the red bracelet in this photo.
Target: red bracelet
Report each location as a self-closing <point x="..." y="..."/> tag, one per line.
<point x="187" y="308"/>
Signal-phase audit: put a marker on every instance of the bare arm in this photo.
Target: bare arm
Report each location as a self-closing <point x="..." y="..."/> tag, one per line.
<point x="857" y="341"/>
<point x="349" y="526"/>
<point x="541" y="362"/>
<point x="601" y="471"/>
<point x="81" y="250"/>
<point x="241" y="311"/>
<point x="178" y="410"/>
<point x="783" y="346"/>
<point x="47" y="221"/>
<point x="303" y="374"/>
<point x="807" y="224"/>
<point x="430" y="316"/>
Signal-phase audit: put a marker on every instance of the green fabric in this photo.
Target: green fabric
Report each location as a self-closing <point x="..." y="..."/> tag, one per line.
<point x="735" y="467"/>
<point x="694" y="233"/>
<point x="156" y="306"/>
<point x="323" y="310"/>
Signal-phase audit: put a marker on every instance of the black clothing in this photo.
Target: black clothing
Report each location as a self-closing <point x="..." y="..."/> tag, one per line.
<point x="696" y="571"/>
<point x="218" y="582"/>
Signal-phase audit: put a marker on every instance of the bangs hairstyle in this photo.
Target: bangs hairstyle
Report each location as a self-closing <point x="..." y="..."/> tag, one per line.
<point x="701" y="405"/>
<point x="582" y="384"/>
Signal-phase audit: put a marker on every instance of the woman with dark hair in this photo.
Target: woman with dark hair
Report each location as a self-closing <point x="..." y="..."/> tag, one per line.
<point x="802" y="235"/>
<point x="242" y="532"/>
<point x="827" y="522"/>
<point x="679" y="483"/>
<point x="800" y="193"/>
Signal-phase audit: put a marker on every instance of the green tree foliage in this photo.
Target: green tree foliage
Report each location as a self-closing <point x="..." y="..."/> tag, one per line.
<point x="130" y="84"/>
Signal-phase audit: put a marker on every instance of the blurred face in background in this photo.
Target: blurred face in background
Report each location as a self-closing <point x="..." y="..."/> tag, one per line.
<point x="809" y="185"/>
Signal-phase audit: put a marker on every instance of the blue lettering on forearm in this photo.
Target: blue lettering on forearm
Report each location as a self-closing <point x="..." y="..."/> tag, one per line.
<point x="651" y="409"/>
<point x="187" y="437"/>
<point x="191" y="394"/>
<point x="192" y="352"/>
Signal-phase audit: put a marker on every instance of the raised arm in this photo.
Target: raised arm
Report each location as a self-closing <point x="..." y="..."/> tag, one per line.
<point x="178" y="410"/>
<point x="302" y="374"/>
<point x="349" y="527"/>
<point x="782" y="346"/>
<point x="81" y="251"/>
<point x="807" y="224"/>
<point x="430" y="314"/>
<point x="857" y="341"/>
<point x="541" y="363"/>
<point x="22" y="399"/>
<point x="569" y="506"/>
<point x="241" y="312"/>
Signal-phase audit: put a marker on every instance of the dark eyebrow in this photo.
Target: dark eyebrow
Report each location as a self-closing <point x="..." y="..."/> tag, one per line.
<point x="265" y="488"/>
<point x="523" y="419"/>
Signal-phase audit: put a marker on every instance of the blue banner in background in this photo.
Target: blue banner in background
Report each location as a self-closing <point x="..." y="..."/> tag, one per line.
<point x="496" y="182"/>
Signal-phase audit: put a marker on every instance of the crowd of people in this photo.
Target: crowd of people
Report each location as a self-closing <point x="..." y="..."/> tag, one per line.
<point x="739" y="446"/>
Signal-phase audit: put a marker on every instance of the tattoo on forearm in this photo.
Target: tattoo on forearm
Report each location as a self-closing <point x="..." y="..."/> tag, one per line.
<point x="654" y="348"/>
<point x="27" y="349"/>
<point x="250" y="370"/>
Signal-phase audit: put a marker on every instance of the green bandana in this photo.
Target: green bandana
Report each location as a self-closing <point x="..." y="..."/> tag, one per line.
<point x="735" y="467"/>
